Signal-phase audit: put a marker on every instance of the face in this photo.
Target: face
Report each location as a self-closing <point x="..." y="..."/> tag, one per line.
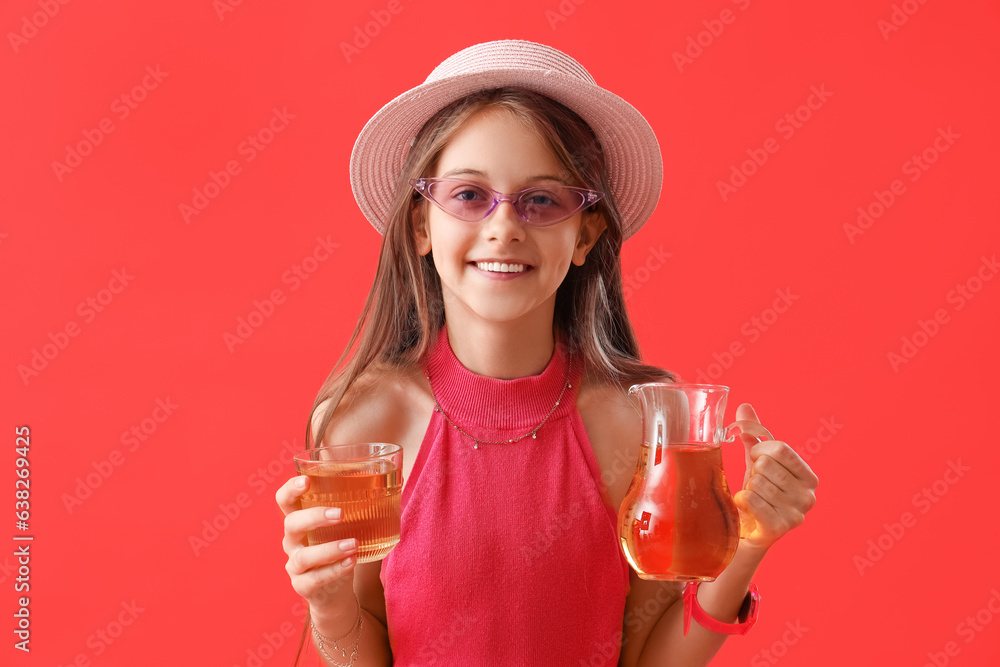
<point x="497" y="151"/>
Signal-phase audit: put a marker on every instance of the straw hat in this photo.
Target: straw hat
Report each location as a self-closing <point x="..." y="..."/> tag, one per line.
<point x="632" y="153"/>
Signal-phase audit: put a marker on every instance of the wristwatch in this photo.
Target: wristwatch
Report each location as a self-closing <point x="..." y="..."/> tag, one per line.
<point x="746" y="618"/>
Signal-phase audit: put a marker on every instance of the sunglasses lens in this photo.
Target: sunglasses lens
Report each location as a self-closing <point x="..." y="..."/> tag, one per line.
<point x="464" y="200"/>
<point x="549" y="205"/>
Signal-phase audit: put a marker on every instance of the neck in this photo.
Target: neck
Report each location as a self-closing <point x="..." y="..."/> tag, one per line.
<point x="508" y="350"/>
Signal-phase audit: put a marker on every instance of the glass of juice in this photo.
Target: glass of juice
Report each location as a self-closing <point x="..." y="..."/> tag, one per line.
<point x="365" y="481"/>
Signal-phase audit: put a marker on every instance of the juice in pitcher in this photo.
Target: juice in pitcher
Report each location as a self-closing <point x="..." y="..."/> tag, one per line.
<point x="678" y="520"/>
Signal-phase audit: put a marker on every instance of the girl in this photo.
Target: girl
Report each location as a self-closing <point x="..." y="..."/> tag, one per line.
<point x="495" y="347"/>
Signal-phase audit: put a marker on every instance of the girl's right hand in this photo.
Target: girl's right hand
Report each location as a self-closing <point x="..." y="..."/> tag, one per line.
<point x="322" y="574"/>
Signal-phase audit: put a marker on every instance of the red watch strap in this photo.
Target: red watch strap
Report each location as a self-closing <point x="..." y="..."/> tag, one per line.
<point x="747" y="616"/>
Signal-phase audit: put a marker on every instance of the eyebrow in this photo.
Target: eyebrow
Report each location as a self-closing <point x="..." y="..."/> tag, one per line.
<point x="482" y="174"/>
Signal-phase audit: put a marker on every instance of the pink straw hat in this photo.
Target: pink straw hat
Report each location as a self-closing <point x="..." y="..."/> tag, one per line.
<point x="632" y="153"/>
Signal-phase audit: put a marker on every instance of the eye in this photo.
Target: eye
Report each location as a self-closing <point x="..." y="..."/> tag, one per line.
<point x="543" y="198"/>
<point x="466" y="192"/>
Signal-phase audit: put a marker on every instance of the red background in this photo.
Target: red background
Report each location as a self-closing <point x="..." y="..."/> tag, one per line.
<point x="162" y="336"/>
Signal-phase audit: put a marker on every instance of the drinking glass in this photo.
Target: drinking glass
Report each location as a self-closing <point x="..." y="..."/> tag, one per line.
<point x="365" y="481"/>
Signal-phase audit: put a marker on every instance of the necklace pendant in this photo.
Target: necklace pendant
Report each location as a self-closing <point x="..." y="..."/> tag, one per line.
<point x="475" y="446"/>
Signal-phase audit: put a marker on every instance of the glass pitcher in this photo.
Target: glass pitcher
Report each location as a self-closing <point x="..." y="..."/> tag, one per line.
<point x="678" y="520"/>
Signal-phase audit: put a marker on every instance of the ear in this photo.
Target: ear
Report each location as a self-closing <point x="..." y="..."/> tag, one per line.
<point x="421" y="231"/>
<point x="592" y="226"/>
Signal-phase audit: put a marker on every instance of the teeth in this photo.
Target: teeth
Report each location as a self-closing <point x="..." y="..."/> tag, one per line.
<point x="501" y="267"/>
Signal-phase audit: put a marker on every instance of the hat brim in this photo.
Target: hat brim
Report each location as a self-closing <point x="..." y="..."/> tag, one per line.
<point x="632" y="153"/>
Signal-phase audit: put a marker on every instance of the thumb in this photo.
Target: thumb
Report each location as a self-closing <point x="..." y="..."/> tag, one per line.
<point x="746" y="413"/>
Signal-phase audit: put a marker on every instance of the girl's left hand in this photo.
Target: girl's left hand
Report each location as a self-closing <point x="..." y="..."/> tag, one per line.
<point x="778" y="488"/>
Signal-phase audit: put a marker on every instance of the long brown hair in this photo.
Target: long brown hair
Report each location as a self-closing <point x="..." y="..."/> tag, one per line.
<point x="404" y="309"/>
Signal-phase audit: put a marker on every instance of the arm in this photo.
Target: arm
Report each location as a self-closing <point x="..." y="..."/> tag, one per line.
<point x="373" y="411"/>
<point x="373" y="642"/>
<point x="721" y="599"/>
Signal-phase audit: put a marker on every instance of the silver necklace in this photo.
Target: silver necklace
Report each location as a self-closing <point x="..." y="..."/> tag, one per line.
<point x="533" y="432"/>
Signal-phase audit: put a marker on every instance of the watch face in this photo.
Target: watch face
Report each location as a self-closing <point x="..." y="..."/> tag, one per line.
<point x="748" y="611"/>
<point x="745" y="620"/>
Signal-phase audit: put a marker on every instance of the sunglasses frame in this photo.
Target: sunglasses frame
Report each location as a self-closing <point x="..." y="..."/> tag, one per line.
<point x="422" y="185"/>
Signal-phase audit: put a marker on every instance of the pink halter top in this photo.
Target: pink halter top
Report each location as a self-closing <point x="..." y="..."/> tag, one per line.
<point x="508" y="554"/>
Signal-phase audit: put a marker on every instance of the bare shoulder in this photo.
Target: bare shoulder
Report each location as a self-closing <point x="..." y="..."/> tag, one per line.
<point x="605" y="405"/>
<point x="614" y="427"/>
<point x="386" y="404"/>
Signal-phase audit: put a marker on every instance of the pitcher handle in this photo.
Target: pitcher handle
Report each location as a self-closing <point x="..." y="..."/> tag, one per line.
<point x="754" y="430"/>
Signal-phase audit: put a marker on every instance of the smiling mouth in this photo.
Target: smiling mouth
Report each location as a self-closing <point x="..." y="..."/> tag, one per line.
<point x="501" y="267"/>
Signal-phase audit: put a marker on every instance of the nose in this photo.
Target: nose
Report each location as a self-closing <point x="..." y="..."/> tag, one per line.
<point x="504" y="224"/>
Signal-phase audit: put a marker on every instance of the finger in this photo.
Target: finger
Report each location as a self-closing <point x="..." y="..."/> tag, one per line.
<point x="307" y="583"/>
<point x="299" y="523"/>
<point x="778" y="520"/>
<point x="763" y="512"/>
<point x="783" y="454"/>
<point x="768" y="472"/>
<point x="308" y="558"/>
<point x="768" y="490"/>
<point x="288" y="494"/>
